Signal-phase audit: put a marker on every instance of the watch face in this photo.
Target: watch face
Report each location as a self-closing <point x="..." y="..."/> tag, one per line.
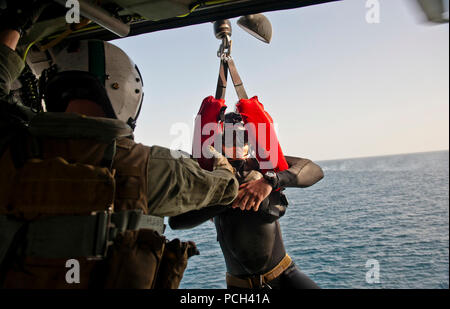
<point x="271" y="174"/>
<point x="271" y="177"/>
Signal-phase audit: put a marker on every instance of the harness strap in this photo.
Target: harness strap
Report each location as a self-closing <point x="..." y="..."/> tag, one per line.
<point x="258" y="281"/>
<point x="238" y="85"/>
<point x="78" y="236"/>
<point x="222" y="80"/>
<point x="227" y="64"/>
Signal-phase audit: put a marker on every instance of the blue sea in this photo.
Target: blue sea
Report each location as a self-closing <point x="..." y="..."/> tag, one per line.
<point x="391" y="209"/>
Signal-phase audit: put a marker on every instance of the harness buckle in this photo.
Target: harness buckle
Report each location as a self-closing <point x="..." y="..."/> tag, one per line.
<point x="110" y="224"/>
<point x="104" y="235"/>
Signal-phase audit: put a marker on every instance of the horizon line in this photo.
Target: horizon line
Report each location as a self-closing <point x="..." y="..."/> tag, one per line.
<point x="383" y="155"/>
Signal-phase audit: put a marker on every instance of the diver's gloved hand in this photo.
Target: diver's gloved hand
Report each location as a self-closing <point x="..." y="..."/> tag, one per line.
<point x="220" y="162"/>
<point x="21" y="15"/>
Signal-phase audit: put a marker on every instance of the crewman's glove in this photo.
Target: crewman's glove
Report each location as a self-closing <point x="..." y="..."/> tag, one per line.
<point x="174" y="263"/>
<point x="21" y="15"/>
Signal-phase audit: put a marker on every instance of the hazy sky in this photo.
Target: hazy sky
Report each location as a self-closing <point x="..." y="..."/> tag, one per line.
<point x="337" y="86"/>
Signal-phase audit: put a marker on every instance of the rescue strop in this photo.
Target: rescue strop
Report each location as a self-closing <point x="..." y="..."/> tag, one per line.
<point x="261" y="131"/>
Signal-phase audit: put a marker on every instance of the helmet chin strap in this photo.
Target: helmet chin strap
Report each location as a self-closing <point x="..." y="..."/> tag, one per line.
<point x="132" y="122"/>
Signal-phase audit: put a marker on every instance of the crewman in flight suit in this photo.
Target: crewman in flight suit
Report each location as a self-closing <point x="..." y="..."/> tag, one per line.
<point x="76" y="186"/>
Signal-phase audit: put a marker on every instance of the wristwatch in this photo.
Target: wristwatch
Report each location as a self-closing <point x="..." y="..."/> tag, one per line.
<point x="272" y="179"/>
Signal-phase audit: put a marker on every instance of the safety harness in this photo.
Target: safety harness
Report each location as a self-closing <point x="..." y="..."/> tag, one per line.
<point x="251" y="110"/>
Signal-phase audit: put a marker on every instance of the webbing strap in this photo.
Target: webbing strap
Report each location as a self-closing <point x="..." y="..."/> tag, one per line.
<point x="238" y="85"/>
<point x="227" y="64"/>
<point x="222" y="80"/>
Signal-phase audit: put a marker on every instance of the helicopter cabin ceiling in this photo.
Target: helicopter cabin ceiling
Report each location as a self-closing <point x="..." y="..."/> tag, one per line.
<point x="144" y="16"/>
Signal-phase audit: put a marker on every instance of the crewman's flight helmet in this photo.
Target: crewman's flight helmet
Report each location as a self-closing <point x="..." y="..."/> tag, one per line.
<point x="97" y="71"/>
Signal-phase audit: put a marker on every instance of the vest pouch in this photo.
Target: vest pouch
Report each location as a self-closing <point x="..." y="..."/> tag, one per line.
<point x="174" y="262"/>
<point x="56" y="187"/>
<point x="134" y="260"/>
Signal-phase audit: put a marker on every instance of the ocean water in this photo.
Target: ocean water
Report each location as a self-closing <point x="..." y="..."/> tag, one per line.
<point x="392" y="209"/>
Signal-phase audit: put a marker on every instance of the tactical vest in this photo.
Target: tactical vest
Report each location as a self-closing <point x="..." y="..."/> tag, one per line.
<point x="69" y="185"/>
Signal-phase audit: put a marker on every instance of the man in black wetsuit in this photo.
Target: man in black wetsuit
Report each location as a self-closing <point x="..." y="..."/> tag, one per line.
<point x="251" y="241"/>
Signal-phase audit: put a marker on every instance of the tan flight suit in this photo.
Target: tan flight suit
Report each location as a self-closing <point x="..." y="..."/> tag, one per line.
<point x="147" y="178"/>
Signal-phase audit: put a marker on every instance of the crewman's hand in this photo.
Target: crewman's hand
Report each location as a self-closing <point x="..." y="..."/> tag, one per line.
<point x="251" y="194"/>
<point x="20" y="15"/>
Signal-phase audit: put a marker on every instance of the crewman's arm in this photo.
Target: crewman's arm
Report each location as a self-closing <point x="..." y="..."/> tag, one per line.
<point x="178" y="185"/>
<point x="11" y="65"/>
<point x="17" y="19"/>
<point x="301" y="173"/>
